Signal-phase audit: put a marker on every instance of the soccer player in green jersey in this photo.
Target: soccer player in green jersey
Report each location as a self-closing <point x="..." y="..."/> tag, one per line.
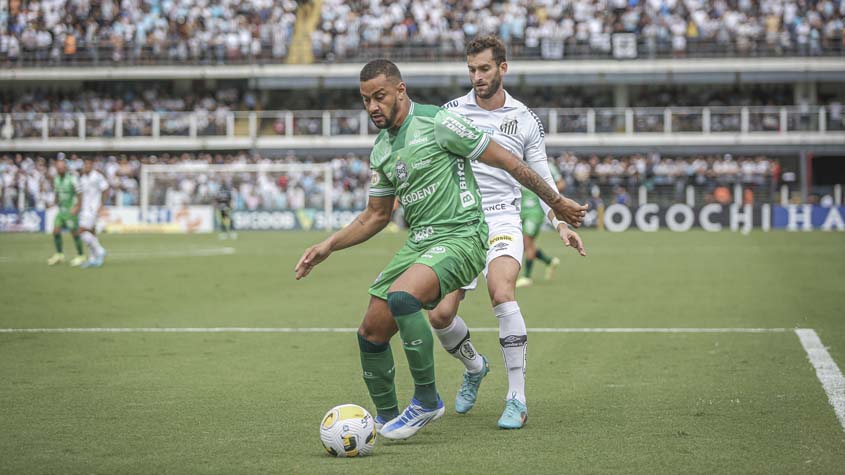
<point x="532" y="222"/>
<point x="422" y="157"/>
<point x="68" y="199"/>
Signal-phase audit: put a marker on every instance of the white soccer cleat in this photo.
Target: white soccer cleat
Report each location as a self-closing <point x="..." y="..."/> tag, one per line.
<point x="523" y="282"/>
<point x="412" y="419"/>
<point x="56" y="258"/>
<point x="552" y="268"/>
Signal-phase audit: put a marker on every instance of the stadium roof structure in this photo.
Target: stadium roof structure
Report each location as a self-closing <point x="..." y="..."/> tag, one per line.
<point x="571" y="72"/>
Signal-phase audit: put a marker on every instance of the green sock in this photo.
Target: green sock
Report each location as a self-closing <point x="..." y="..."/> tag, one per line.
<point x="57" y="241"/>
<point x="529" y="267"/>
<point x="77" y="241"/>
<point x="546" y="259"/>
<point x="418" y="343"/>
<point x="377" y="363"/>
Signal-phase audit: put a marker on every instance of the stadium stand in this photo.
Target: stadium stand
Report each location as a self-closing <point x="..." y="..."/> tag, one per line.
<point x="60" y="32"/>
<point x="27" y="179"/>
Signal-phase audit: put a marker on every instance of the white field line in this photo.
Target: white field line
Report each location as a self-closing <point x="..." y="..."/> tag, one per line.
<point x="826" y="370"/>
<point x="347" y="330"/>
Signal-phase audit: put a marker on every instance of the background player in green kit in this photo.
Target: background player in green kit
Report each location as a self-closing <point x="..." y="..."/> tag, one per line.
<point x="422" y="157"/>
<point x="67" y="198"/>
<point x="532" y="223"/>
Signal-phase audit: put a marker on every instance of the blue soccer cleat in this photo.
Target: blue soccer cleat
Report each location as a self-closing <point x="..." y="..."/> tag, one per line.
<point x="412" y="419"/>
<point x="515" y="415"/>
<point x="468" y="392"/>
<point x="380" y="422"/>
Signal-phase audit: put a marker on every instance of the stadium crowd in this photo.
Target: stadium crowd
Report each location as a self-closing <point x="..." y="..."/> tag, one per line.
<point x="557" y="29"/>
<point x="218" y="31"/>
<point x="100" y="108"/>
<point x="174" y="30"/>
<point x="27" y="179"/>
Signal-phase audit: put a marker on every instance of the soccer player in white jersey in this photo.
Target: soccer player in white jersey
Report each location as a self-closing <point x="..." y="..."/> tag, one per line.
<point x="514" y="126"/>
<point x="94" y="188"/>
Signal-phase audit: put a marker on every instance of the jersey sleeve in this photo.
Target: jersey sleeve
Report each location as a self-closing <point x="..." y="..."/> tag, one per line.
<point x="457" y="135"/>
<point x="77" y="186"/>
<point x="102" y="183"/>
<point x="379" y="184"/>
<point x="535" y="153"/>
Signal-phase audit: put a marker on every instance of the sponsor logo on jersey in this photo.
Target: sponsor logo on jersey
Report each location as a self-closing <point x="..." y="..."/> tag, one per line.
<point x="418" y="138"/>
<point x="418" y="195"/>
<point x="422" y="234"/>
<point x="401" y="170"/>
<point x="467" y="199"/>
<point x="421" y="164"/>
<point x="496" y="207"/>
<point x="509" y="125"/>
<point x="459" y="128"/>
<point x="437" y="250"/>
<point x="451" y="104"/>
<point x="486" y="129"/>
<point x="501" y="237"/>
<point x="375" y="178"/>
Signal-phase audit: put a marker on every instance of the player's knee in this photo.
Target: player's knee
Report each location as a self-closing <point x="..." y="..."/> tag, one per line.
<point x="402" y="303"/>
<point x="440" y="319"/>
<point x="373" y="334"/>
<point x="500" y="296"/>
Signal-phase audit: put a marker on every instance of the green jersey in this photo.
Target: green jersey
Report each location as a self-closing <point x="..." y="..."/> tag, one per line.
<point x="426" y="164"/>
<point x="66" y="188"/>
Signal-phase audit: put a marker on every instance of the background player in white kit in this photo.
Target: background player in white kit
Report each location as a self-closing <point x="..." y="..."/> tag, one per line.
<point x="94" y="187"/>
<point x="514" y="126"/>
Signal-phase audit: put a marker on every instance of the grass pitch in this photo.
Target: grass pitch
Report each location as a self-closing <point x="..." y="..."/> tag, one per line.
<point x="252" y="402"/>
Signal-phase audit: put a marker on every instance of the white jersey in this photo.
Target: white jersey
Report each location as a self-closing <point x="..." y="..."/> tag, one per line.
<point x="92" y="187"/>
<point x="516" y="128"/>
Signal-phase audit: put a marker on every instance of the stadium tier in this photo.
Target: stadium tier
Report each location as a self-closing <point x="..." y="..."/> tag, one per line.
<point x="27" y="180"/>
<point x="73" y="32"/>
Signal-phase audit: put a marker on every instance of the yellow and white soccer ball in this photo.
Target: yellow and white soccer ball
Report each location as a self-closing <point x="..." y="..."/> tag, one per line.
<point x="348" y="430"/>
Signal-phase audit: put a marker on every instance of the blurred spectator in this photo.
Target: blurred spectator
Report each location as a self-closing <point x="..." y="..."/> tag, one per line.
<point x="27" y="180"/>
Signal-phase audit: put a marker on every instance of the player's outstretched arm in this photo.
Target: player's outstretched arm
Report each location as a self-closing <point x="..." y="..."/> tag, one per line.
<point x="366" y="225"/>
<point x="565" y="209"/>
<point x="570" y="238"/>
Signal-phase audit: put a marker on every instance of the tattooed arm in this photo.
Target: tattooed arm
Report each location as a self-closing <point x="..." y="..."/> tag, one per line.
<point x="565" y="209"/>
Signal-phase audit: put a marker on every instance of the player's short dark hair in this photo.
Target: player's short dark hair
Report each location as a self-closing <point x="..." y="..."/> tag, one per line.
<point x="482" y="43"/>
<point x="377" y="67"/>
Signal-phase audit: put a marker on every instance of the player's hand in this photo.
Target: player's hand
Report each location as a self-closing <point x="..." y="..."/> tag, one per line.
<point x="75" y="210"/>
<point x="571" y="212"/>
<point x="571" y="239"/>
<point x="310" y="258"/>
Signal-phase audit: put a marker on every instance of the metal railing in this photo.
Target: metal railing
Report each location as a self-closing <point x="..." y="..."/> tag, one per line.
<point x="105" y="53"/>
<point x="334" y="123"/>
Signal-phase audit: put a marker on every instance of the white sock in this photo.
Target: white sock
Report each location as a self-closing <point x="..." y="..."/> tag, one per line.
<point x="513" y="338"/>
<point x="93" y="244"/>
<point x="455" y="339"/>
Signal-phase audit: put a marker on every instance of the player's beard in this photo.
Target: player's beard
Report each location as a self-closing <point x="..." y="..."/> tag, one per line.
<point x="492" y="87"/>
<point x="389" y="118"/>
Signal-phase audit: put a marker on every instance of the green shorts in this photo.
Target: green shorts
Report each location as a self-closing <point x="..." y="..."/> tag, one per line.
<point x="532" y="223"/>
<point x="66" y="220"/>
<point x="455" y="260"/>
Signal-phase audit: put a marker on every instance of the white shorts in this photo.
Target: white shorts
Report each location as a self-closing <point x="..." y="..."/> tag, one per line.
<point x="504" y="238"/>
<point x="88" y="219"/>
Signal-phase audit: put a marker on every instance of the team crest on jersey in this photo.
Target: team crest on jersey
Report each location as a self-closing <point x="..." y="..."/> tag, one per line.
<point x="375" y="178"/>
<point x="401" y="170"/>
<point x="509" y="125"/>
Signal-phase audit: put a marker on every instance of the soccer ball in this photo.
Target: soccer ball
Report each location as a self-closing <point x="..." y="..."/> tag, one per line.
<point x="348" y="430"/>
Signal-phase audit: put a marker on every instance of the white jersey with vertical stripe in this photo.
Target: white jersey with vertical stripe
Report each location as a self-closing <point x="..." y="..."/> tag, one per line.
<point x="516" y="128"/>
<point x="92" y="186"/>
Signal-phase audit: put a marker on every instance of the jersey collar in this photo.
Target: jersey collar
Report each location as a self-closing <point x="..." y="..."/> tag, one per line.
<point x="510" y="102"/>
